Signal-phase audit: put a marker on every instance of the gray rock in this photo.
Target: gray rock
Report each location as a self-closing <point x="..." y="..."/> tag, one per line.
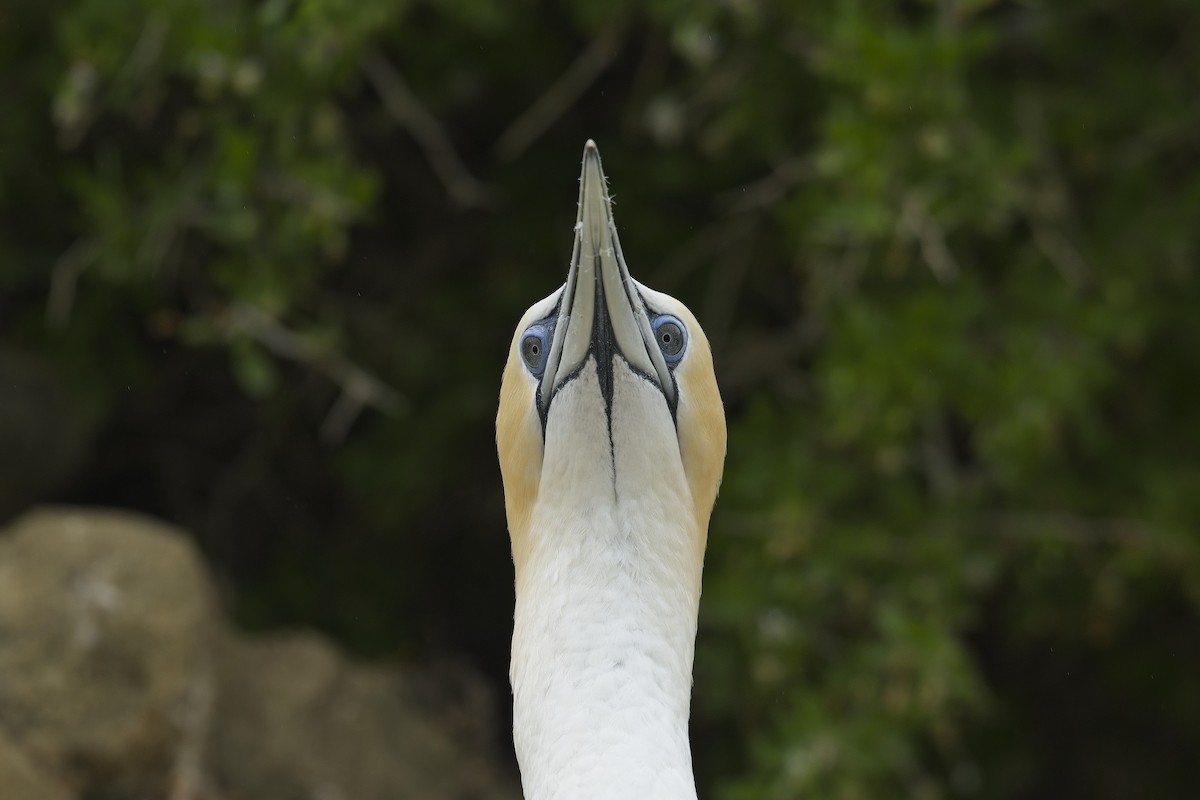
<point x="23" y="780"/>
<point x="119" y="680"/>
<point x="295" y="721"/>
<point x="105" y="622"/>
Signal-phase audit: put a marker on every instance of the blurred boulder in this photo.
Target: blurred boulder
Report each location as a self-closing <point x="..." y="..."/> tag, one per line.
<point x="118" y="679"/>
<point x="295" y="721"/>
<point x="105" y="622"/>
<point x="24" y="780"/>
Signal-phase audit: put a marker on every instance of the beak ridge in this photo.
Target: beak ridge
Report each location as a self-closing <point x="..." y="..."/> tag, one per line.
<point x="619" y="320"/>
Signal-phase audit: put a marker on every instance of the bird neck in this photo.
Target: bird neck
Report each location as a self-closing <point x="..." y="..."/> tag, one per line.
<point x="602" y="654"/>
<point x="608" y="589"/>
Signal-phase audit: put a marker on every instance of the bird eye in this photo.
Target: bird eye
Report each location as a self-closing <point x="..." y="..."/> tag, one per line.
<point x="671" y="337"/>
<point x="535" y="347"/>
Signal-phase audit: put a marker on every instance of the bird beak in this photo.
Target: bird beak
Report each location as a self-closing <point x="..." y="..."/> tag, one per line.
<point x="601" y="311"/>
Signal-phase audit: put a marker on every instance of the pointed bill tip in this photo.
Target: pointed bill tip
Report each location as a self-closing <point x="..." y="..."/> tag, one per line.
<point x="591" y="162"/>
<point x="591" y="159"/>
<point x="593" y="197"/>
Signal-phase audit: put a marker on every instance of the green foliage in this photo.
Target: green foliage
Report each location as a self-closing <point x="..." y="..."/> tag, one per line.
<point x="946" y="254"/>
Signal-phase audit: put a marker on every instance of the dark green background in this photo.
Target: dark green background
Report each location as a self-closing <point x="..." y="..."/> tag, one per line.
<point x="946" y="253"/>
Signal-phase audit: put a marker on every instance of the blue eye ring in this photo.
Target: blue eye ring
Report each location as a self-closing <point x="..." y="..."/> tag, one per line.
<point x="535" y="347"/>
<point x="670" y="334"/>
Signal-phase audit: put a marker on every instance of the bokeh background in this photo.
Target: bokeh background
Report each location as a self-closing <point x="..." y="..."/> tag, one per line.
<point x="260" y="264"/>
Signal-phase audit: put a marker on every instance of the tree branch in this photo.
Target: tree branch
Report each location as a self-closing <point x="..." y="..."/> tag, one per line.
<point x="407" y="109"/>
<point x="555" y="101"/>
<point x="915" y="218"/>
<point x="64" y="276"/>
<point x="360" y="388"/>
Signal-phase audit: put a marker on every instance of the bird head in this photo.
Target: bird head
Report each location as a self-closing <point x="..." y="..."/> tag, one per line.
<point x="609" y="389"/>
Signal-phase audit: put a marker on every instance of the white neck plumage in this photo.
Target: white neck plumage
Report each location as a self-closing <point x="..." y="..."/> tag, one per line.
<point x="605" y="627"/>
